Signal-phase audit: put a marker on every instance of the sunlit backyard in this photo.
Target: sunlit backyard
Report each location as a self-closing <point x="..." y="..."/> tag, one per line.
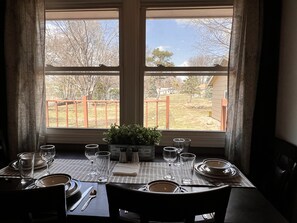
<point x="194" y="115"/>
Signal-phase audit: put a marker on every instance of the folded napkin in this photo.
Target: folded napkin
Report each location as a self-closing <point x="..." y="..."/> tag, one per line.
<point x="126" y="169"/>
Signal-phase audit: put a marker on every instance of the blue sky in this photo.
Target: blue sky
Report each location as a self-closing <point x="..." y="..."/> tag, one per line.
<point x="175" y="35"/>
<point x="172" y="35"/>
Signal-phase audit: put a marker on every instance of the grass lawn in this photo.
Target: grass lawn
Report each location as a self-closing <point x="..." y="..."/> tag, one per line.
<point x="183" y="115"/>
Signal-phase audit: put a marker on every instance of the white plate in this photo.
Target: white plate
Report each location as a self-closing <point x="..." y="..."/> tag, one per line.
<point x="54" y="179"/>
<point x="14" y="165"/>
<point x="71" y="189"/>
<point x="218" y="166"/>
<point x="202" y="169"/>
<point x="163" y="186"/>
<point x="74" y="188"/>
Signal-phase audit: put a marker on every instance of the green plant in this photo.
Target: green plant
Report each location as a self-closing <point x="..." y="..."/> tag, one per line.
<point x="132" y="134"/>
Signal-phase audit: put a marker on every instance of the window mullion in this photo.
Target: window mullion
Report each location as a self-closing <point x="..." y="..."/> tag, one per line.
<point x="129" y="80"/>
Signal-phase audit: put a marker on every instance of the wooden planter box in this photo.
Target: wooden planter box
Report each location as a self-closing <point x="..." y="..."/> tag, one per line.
<point x="146" y="153"/>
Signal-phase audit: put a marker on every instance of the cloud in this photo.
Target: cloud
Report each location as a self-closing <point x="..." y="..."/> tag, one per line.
<point x="184" y="64"/>
<point x="163" y="48"/>
<point x="184" y="22"/>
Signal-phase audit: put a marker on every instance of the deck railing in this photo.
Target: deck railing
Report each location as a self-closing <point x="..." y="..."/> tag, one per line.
<point x="96" y="113"/>
<point x="224" y="104"/>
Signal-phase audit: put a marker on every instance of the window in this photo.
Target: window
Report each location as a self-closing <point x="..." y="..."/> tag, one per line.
<point x="185" y="66"/>
<point x="157" y="64"/>
<point x="82" y="64"/>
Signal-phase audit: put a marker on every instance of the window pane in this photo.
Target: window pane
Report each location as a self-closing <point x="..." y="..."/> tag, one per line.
<point x="82" y="43"/>
<point x="78" y="98"/>
<point x="191" y="98"/>
<point x="185" y="102"/>
<point x="82" y="101"/>
<point x="191" y="41"/>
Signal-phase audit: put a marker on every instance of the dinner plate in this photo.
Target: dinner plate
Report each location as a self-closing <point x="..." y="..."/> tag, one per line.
<point x="217" y="166"/>
<point x="145" y="188"/>
<point x="202" y="169"/>
<point x="39" y="165"/>
<point x="53" y="180"/>
<point x="74" y="188"/>
<point x="71" y="188"/>
<point x="163" y="186"/>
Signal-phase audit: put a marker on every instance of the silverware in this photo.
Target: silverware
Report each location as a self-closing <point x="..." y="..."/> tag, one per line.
<point x="176" y="189"/>
<point x="182" y="189"/>
<point x="208" y="216"/>
<point x="91" y="196"/>
<point x="7" y="177"/>
<point x="143" y="188"/>
<point x="81" y="198"/>
<point x="31" y="186"/>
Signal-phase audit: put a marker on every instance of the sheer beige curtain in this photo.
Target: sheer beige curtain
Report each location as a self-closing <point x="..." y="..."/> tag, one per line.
<point x="243" y="75"/>
<point x="24" y="58"/>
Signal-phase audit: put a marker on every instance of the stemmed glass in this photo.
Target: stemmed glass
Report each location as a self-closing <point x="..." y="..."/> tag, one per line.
<point x="47" y="153"/>
<point x="169" y="155"/>
<point x="179" y="144"/>
<point x="90" y="153"/>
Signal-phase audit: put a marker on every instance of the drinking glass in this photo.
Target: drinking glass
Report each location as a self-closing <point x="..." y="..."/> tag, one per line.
<point x="47" y="153"/>
<point x="187" y="162"/>
<point x="169" y="155"/>
<point x="90" y="153"/>
<point x="103" y="165"/>
<point x="187" y="144"/>
<point x="178" y="143"/>
<point x="26" y="166"/>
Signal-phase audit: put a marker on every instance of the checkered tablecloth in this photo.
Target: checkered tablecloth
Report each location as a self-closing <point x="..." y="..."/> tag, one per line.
<point x="149" y="171"/>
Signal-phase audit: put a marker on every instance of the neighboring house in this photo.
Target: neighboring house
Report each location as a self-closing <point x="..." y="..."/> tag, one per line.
<point x="219" y="90"/>
<point x="163" y="91"/>
<point x="219" y="86"/>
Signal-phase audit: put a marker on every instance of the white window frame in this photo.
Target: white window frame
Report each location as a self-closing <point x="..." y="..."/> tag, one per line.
<point x="132" y="68"/>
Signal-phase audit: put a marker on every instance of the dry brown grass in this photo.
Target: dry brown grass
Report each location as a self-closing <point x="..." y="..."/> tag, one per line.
<point x="184" y="115"/>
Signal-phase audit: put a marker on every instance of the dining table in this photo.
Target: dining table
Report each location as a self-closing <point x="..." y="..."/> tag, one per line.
<point x="246" y="203"/>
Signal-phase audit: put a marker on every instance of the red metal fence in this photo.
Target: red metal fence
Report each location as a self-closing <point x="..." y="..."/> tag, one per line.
<point x="224" y="104"/>
<point x="95" y="113"/>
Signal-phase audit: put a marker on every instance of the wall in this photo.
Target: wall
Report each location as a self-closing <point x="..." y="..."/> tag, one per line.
<point x="286" y="118"/>
<point x="219" y="89"/>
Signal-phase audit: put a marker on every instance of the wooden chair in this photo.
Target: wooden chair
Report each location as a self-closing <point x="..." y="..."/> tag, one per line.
<point x="33" y="205"/>
<point x="167" y="207"/>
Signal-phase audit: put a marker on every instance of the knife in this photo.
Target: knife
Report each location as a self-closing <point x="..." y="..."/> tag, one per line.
<point x="81" y="198"/>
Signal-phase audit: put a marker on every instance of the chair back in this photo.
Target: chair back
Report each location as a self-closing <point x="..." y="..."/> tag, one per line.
<point x="169" y="207"/>
<point x="34" y="205"/>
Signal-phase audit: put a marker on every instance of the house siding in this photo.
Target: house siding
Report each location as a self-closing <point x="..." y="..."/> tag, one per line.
<point x="218" y="93"/>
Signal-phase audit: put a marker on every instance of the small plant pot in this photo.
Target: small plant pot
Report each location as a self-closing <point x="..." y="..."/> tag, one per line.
<point x="146" y="153"/>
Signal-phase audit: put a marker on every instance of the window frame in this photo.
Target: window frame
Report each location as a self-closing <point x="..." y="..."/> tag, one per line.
<point x="132" y="68"/>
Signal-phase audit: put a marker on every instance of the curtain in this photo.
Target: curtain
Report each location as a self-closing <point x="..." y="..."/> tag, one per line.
<point x="244" y="60"/>
<point x="24" y="35"/>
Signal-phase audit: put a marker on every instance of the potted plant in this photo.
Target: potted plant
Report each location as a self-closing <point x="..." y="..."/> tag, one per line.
<point x="132" y="137"/>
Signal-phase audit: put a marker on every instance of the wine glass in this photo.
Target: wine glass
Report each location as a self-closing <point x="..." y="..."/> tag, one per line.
<point x="47" y="153"/>
<point x="179" y="144"/>
<point x="90" y="153"/>
<point x="169" y="155"/>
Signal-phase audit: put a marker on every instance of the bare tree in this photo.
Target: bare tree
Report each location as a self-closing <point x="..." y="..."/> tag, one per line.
<point x="214" y="40"/>
<point x="202" y="61"/>
<point x="214" y="36"/>
<point x="82" y="43"/>
<point x="192" y="84"/>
